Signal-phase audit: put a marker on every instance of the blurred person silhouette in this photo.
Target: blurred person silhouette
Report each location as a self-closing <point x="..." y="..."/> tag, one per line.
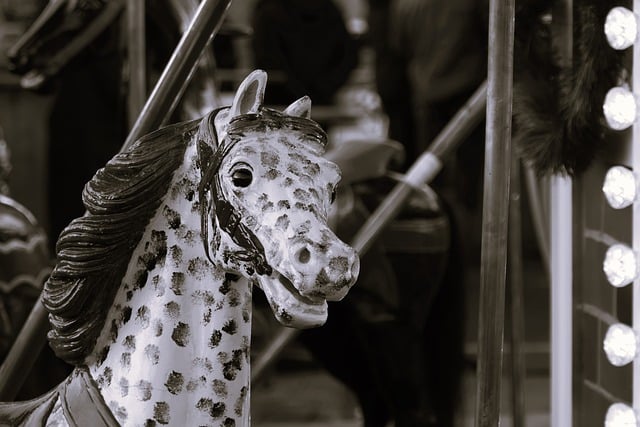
<point x="304" y="46"/>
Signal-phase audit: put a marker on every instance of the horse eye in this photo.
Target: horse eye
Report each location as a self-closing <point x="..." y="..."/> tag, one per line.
<point x="333" y="196"/>
<point x="241" y="177"/>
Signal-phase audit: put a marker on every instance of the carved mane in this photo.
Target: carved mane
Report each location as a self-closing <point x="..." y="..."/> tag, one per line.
<point x="94" y="250"/>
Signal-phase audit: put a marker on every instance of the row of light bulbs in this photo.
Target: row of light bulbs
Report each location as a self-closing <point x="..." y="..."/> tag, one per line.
<point x="621" y="109"/>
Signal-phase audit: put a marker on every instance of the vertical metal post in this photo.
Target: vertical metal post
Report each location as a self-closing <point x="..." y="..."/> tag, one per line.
<point x="495" y="211"/>
<point x="561" y="254"/>
<point x="205" y="24"/>
<point x="515" y="291"/>
<point x="137" y="63"/>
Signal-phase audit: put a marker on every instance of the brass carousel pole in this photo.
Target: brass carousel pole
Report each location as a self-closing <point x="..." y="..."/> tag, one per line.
<point x="495" y="212"/>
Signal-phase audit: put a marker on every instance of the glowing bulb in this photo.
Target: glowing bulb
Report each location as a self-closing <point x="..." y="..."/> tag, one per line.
<point x="620" y="415"/>
<point x="620" y="265"/>
<point x="619" y="187"/>
<point x="620" y="108"/>
<point x="620" y="344"/>
<point x="621" y="28"/>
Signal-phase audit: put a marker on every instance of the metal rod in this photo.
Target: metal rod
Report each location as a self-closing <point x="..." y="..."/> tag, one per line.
<point x="24" y="352"/>
<point x="495" y="212"/>
<point x="137" y="59"/>
<point x="203" y="27"/>
<point x="561" y="254"/>
<point x="516" y="296"/>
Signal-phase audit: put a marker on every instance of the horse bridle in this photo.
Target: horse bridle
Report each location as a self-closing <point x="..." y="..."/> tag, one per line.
<point x="228" y="218"/>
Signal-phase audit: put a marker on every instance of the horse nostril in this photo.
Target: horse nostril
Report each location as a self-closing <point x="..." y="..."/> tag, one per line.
<point x="303" y="256"/>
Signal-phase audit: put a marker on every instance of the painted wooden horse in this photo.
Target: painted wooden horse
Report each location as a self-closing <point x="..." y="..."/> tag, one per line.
<point x="151" y="296"/>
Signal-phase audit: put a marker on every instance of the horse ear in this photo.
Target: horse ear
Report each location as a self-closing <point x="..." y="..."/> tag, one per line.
<point x="250" y="94"/>
<point x="299" y="108"/>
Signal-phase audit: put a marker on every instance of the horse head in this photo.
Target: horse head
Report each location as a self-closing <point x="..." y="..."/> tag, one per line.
<point x="265" y="194"/>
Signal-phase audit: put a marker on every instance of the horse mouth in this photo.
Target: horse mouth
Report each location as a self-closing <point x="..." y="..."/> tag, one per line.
<point x="308" y="300"/>
<point x="289" y="306"/>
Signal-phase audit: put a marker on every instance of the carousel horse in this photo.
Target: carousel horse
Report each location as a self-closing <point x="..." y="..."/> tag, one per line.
<point x="151" y="295"/>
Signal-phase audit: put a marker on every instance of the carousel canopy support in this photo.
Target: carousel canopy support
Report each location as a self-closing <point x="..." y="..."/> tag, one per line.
<point x="495" y="212"/>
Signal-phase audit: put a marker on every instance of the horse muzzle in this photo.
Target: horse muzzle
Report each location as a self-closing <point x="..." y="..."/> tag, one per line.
<point x="324" y="271"/>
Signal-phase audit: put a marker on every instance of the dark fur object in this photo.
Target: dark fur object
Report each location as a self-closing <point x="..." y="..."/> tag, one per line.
<point x="557" y="109"/>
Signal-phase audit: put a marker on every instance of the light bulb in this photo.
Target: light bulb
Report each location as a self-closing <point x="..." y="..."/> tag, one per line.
<point x="621" y="28"/>
<point x="620" y="415"/>
<point x="620" y="108"/>
<point x="620" y="187"/>
<point x="620" y="265"/>
<point x="620" y="344"/>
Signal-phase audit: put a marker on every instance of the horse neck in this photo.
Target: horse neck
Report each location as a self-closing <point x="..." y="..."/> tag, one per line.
<point x="175" y="346"/>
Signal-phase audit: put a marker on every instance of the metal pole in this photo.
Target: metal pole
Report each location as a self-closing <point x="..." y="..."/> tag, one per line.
<point x="495" y="211"/>
<point x="516" y="296"/>
<point x="137" y="59"/>
<point x="203" y="27"/>
<point x="561" y="254"/>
